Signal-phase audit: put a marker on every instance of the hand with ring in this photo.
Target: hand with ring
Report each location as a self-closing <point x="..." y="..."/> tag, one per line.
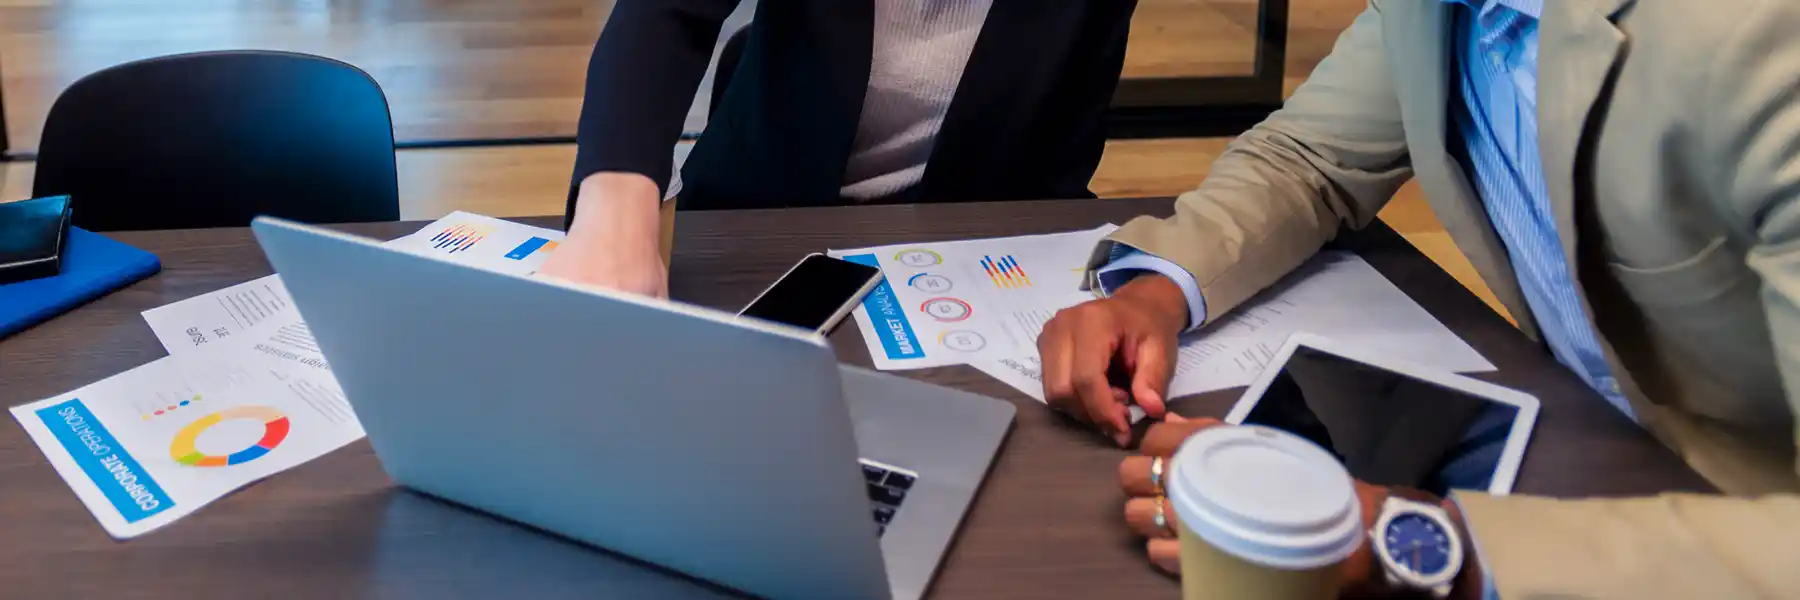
<point x="1149" y="512"/>
<point x="1147" y="509"/>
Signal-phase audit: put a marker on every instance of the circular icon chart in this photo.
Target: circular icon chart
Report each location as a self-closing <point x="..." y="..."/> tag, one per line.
<point x="947" y="309"/>
<point x="928" y="282"/>
<point x="918" y="257"/>
<point x="275" y="429"/>
<point x="962" y="340"/>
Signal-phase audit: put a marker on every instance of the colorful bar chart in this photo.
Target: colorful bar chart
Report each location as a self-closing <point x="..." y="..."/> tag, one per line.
<point x="458" y="238"/>
<point x="173" y="404"/>
<point x="530" y="247"/>
<point x="1005" y="272"/>
<point x="164" y="402"/>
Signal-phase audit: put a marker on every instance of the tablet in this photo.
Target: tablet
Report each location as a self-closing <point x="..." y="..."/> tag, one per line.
<point x="1392" y="422"/>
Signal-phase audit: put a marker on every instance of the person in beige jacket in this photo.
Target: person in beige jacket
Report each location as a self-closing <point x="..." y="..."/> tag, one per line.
<point x="1624" y="174"/>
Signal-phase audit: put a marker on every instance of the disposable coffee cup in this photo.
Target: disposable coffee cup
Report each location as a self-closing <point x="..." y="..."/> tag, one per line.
<point x="1264" y="514"/>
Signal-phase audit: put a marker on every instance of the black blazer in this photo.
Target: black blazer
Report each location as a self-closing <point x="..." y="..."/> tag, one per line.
<point x="1026" y="122"/>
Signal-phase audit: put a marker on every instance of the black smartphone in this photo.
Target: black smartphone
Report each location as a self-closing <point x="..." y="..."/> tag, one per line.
<point x="815" y="294"/>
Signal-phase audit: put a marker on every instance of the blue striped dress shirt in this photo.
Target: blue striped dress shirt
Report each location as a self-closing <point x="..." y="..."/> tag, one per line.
<point x="1495" y="58"/>
<point x="1496" y="81"/>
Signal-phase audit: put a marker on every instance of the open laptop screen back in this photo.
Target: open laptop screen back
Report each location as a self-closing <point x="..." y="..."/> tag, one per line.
<point x="1388" y="428"/>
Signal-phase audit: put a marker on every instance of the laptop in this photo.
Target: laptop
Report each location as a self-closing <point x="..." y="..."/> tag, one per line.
<point x="734" y="450"/>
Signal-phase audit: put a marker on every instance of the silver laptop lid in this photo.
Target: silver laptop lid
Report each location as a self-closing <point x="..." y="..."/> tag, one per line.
<point x="667" y="432"/>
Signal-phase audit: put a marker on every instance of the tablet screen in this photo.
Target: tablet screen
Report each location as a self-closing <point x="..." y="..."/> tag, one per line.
<point x="1388" y="428"/>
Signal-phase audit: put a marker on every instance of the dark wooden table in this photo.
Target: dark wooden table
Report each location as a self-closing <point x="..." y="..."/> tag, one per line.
<point x="1047" y="525"/>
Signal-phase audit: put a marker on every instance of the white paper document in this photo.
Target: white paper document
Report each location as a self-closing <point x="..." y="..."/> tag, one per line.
<point x="245" y="394"/>
<point x="256" y="316"/>
<point x="262" y="309"/>
<point x="949" y="303"/>
<point x="1336" y="295"/>
<point x="226" y="314"/>
<point x="148" y="446"/>
<point x="485" y="242"/>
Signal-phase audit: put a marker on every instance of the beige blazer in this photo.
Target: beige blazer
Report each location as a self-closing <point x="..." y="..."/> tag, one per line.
<point x="1670" y="136"/>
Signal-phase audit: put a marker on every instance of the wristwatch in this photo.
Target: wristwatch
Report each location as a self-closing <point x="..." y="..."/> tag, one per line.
<point x="1417" y="545"/>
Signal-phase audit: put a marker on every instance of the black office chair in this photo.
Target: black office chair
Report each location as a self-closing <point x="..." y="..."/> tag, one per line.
<point x="215" y="138"/>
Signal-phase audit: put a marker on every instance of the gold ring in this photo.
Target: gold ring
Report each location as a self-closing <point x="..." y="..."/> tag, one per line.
<point x="1162" y="522"/>
<point x="1156" y="475"/>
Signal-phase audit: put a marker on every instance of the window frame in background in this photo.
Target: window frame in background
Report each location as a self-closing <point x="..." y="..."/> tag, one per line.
<point x="1208" y="106"/>
<point x="1163" y="107"/>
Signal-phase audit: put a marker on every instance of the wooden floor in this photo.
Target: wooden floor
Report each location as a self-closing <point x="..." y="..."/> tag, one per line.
<point x="497" y="69"/>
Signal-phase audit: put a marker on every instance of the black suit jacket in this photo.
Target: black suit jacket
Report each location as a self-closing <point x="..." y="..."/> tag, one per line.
<point x="1027" y="120"/>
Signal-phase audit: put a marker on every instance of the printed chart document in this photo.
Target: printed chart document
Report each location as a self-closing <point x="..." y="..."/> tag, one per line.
<point x="148" y="446"/>
<point x="256" y="316"/>
<point x="948" y="303"/>
<point x="245" y="393"/>
<point x="265" y="306"/>
<point x="229" y="313"/>
<point x="485" y="242"/>
<point x="1336" y="295"/>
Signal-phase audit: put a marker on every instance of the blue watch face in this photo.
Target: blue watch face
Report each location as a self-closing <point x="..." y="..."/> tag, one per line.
<point x="1418" y="543"/>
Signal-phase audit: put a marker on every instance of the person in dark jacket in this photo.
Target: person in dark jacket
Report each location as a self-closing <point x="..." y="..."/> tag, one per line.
<point x="834" y="102"/>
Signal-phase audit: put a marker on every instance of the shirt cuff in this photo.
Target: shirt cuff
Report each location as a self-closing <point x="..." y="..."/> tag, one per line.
<point x="1488" y="591"/>
<point x="1127" y="263"/>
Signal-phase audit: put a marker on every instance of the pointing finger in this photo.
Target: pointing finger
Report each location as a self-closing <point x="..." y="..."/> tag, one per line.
<point x="1150" y="380"/>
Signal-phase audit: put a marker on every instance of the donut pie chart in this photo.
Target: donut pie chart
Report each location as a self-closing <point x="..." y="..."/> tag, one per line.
<point x="962" y="340"/>
<point x="918" y="257"/>
<point x="947" y="309"/>
<point x="927" y="282"/>
<point x="275" y="429"/>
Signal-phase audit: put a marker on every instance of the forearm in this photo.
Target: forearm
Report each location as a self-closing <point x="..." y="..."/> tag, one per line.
<point x="621" y="207"/>
<point x="616" y="240"/>
<point x="1162" y="296"/>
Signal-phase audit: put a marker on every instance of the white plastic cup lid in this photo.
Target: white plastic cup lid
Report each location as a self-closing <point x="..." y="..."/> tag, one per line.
<point x="1266" y="496"/>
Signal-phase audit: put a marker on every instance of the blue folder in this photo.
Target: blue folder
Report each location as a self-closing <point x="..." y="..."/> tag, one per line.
<point x="92" y="266"/>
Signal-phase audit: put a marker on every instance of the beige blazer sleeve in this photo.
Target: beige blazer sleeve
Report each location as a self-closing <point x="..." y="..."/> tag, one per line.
<point x="1672" y="546"/>
<point x="1335" y="153"/>
<point x="1685" y="546"/>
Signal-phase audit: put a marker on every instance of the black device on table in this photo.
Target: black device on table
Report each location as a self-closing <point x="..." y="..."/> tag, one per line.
<point x="48" y="268"/>
<point x="815" y="294"/>
<point x="1391" y="422"/>
<point x="32" y="235"/>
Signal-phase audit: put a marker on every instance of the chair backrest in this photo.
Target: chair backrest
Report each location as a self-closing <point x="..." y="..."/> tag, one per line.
<point x="215" y="138"/>
<point x="5" y="136"/>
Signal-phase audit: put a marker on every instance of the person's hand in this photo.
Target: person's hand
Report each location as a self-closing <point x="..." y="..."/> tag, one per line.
<point x="1144" y="497"/>
<point x="1130" y="335"/>
<point x="1164" y="550"/>
<point x="614" y="241"/>
<point x="1362" y="576"/>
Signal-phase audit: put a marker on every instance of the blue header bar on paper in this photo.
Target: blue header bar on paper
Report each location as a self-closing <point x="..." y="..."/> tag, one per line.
<point x="888" y="317"/>
<point x="119" y="476"/>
